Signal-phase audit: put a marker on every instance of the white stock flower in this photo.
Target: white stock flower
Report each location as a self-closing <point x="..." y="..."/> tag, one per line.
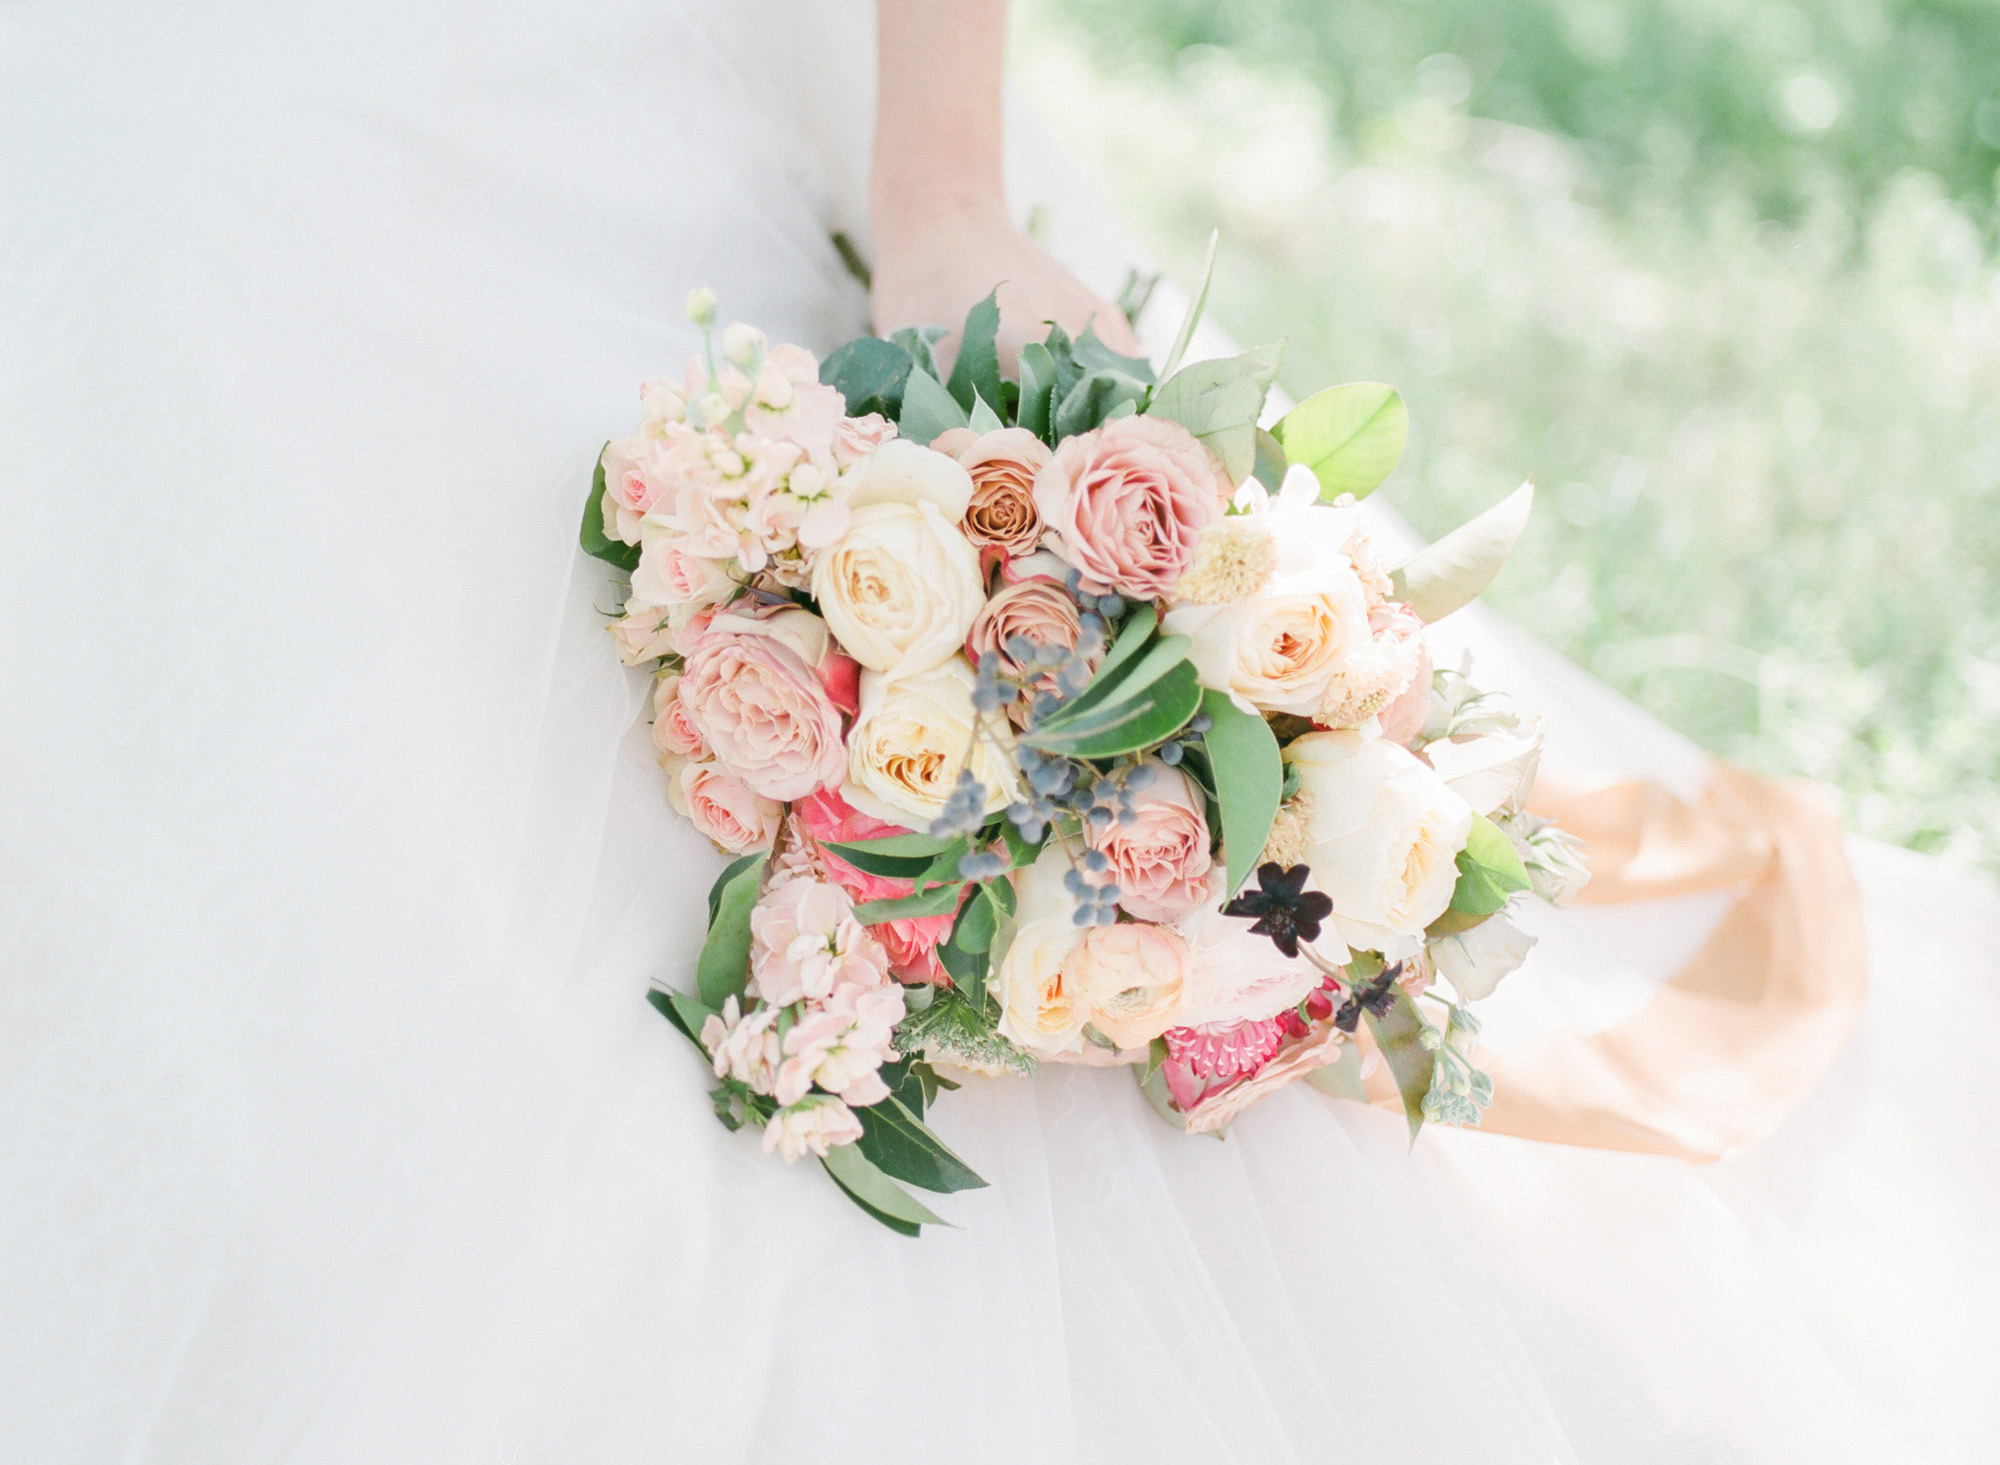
<point x="901" y="587"/>
<point x="1383" y="835"/>
<point x="812" y="1126"/>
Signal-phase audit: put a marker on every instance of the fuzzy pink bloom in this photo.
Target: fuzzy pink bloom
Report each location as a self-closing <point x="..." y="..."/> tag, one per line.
<point x="805" y="944"/>
<point x="841" y="1045"/>
<point x="1127" y="502"/>
<point x="911" y="942"/>
<point x="1377" y="673"/>
<point x="674" y="732"/>
<point x="752" y="688"/>
<point x="1403" y="719"/>
<point x="1160" y="857"/>
<point x="723" y="808"/>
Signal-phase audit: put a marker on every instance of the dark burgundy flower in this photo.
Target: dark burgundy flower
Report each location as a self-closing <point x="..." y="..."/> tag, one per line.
<point x="1284" y="909"/>
<point x="1375" y="998"/>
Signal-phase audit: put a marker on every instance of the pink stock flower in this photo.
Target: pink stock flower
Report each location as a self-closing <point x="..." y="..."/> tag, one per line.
<point x="812" y="1126"/>
<point x="857" y="437"/>
<point x="911" y="941"/>
<point x="1127" y="502"/>
<point x="805" y="944"/>
<point x="1159" y="857"/>
<point x="841" y="1045"/>
<point x="1403" y="719"/>
<point x="744" y="1047"/>
<point x="752" y="688"/>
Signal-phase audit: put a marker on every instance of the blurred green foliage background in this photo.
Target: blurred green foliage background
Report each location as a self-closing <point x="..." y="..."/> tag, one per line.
<point x="1719" y="273"/>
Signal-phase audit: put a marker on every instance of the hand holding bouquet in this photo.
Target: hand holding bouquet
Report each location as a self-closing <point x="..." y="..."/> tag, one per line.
<point x="1068" y="718"/>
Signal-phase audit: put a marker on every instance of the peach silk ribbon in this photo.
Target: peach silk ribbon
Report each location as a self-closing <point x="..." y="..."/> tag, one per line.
<point x="1719" y="1056"/>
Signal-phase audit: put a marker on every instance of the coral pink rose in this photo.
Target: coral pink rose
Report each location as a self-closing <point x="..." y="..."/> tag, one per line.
<point x="1127" y="502"/>
<point x="911" y="942"/>
<point x="723" y="807"/>
<point x="674" y="732"/>
<point x="752" y="689"/>
<point x="1160" y="857"/>
<point x="1003" y="466"/>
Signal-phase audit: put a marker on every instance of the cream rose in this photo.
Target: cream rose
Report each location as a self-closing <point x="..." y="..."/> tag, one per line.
<point x="1130" y="978"/>
<point x="901" y="587"/>
<point x="903" y="472"/>
<point x="1383" y="835"/>
<point x="1038" y="1012"/>
<point x="910" y="739"/>
<point x="1282" y="648"/>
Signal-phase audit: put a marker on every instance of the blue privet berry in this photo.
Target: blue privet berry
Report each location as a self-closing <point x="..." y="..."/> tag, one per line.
<point x="1111" y="606"/>
<point x="986" y="698"/>
<point x="989" y="665"/>
<point x="1019" y="650"/>
<point x="1201" y="724"/>
<point x="1140" y="776"/>
<point x="1170" y="754"/>
<point x="981" y="865"/>
<point x="1096" y="861"/>
<point x="1099" y="817"/>
<point x="1075" y="884"/>
<point x="1073" y="581"/>
<point x="1020" y="813"/>
<point x="1109" y="894"/>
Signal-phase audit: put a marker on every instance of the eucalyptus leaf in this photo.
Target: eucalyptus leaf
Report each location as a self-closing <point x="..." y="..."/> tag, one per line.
<point x="1439" y="579"/>
<point x="1351" y="436"/>
<point x="1249" y="775"/>
<point x="917" y="343"/>
<point x="1184" y="337"/>
<point x="686" y="1014"/>
<point x="925" y="846"/>
<point x="976" y="924"/>
<point x="1219" y="402"/>
<point x="869" y="372"/>
<point x="596" y="543"/>
<point x="1038" y="383"/>
<point x="1132" y="639"/>
<point x="1159" y="658"/>
<point x="928" y="409"/>
<point x="902" y="1147"/>
<point x="869" y="862"/>
<point x="725" y="956"/>
<point x="1093" y="355"/>
<point x="1268" y="461"/>
<point x="976" y="371"/>
<point x="875" y="1192"/>
<point x="1093" y="399"/>
<point x="1398" y="1034"/>
<point x="1342" y="1077"/>
<point x="1156" y="1058"/>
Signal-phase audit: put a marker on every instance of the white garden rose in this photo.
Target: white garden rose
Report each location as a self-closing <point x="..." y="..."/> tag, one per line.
<point x="901" y="587"/>
<point x="1382" y="835"/>
<point x="909" y="741"/>
<point x="1038" y="1013"/>
<point x="903" y="472"/>
<point x="1279" y="649"/>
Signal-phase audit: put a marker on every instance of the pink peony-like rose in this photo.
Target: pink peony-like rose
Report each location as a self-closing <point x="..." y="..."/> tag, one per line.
<point x="1127" y="502"/>
<point x="805" y="944"/>
<point x="722" y="807"/>
<point x="1160" y="856"/>
<point x="1003" y="465"/>
<point x="1130" y="976"/>
<point x="752" y="688"/>
<point x="674" y="732"/>
<point x="911" y="941"/>
<point x="1297" y="1058"/>
<point x="1038" y="611"/>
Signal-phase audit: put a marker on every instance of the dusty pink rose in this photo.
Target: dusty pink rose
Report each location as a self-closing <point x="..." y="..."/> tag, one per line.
<point x="911" y="942"/>
<point x="1131" y="976"/>
<point x="1296" y="1059"/>
<point x="674" y="732"/>
<point x="1127" y="502"/>
<point x="723" y="808"/>
<point x="805" y="944"/>
<point x="1003" y="465"/>
<point x="752" y="688"/>
<point x="1039" y="611"/>
<point x="1160" y="857"/>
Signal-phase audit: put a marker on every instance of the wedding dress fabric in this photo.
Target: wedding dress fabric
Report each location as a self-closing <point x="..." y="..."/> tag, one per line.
<point x="334" y="867"/>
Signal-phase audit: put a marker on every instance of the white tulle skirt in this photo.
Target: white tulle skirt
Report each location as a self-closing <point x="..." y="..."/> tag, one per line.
<point x="334" y="867"/>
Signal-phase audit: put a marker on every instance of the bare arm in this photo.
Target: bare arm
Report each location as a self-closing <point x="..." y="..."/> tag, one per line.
<point x="942" y="234"/>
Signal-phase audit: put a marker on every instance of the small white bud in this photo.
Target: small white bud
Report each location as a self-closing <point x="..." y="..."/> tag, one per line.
<point x="701" y="306"/>
<point x="743" y="346"/>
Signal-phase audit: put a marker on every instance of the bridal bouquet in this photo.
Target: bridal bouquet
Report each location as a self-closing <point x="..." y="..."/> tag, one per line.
<point x="1068" y="717"/>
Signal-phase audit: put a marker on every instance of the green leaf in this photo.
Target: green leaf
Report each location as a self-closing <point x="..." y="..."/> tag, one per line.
<point x="894" y="867"/>
<point x="869" y="372"/>
<point x="984" y="419"/>
<point x="1153" y="716"/>
<point x="859" y="1177"/>
<point x="1342" y="1077"/>
<point x="1137" y="632"/>
<point x="1153" y="1084"/>
<point x="1184" y="337"/>
<point x="937" y="901"/>
<point x="1161" y="657"/>
<point x="943" y="868"/>
<point x="1156" y="1057"/>
<point x="976" y="372"/>
<point x="917" y="343"/>
<point x="913" y="846"/>
<point x="976" y="923"/>
<point x="1038" y="384"/>
<point x="1351" y="436"/>
<point x="1489" y="870"/>
<point x="1397" y="1033"/>
<point x="725" y="956"/>
<point x="928" y="410"/>
<point x="968" y="969"/>
<point x="1269" y="465"/>
<point x="1451" y="573"/>
<point x="687" y="1015"/>
<point x="591" y="535"/>
<point x="1000" y="890"/>
<point x="903" y="1148"/>
<point x="1093" y="399"/>
<point x="1249" y="777"/>
<point x="1019" y="851"/>
<point x="1217" y="401"/>
<point x="1093" y="355"/>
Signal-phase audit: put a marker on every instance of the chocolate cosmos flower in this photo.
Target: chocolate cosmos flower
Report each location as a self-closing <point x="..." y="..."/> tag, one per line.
<point x="1285" y="910"/>
<point x="1377" y="997"/>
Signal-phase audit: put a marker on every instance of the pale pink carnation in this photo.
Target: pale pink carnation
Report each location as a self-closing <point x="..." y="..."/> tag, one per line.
<point x="805" y="943"/>
<point x="1403" y="719"/>
<point x="841" y="1045"/>
<point x="1127" y="502"/>
<point x="812" y="1126"/>
<point x="752" y="688"/>
<point x="1159" y="856"/>
<point x="1378" y="672"/>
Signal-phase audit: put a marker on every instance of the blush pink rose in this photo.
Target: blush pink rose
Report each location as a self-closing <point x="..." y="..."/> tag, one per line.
<point x="674" y="732"/>
<point x="722" y="806"/>
<point x="751" y="687"/>
<point x="1127" y="502"/>
<point x="1160" y="856"/>
<point x="911" y="942"/>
